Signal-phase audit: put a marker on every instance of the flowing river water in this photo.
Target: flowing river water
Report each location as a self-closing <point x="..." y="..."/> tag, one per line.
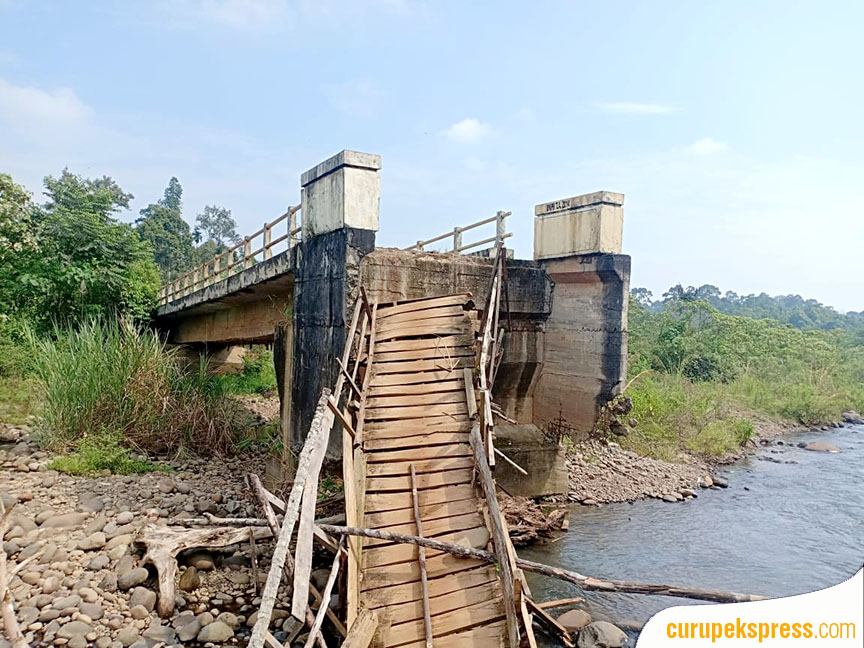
<point x="778" y="529"/>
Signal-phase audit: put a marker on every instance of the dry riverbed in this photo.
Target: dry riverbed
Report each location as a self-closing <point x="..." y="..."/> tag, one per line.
<point x="87" y="586"/>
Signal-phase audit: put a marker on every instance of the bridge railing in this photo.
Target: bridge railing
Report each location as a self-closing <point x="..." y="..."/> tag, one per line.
<point x="236" y="258"/>
<point x="459" y="246"/>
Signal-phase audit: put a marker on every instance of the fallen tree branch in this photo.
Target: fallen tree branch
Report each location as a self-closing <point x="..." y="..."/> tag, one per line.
<point x="211" y="520"/>
<point x="583" y="582"/>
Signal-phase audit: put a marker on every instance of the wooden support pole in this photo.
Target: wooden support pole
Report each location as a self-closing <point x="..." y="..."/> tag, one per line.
<point x="421" y="556"/>
<point x="341" y="416"/>
<point x="362" y="630"/>
<point x="316" y="439"/>
<point x="587" y="583"/>
<point x="328" y="591"/>
<point x="268" y="253"/>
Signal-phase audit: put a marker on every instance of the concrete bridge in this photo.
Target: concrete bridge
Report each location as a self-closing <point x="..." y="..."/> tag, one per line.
<point x="565" y="310"/>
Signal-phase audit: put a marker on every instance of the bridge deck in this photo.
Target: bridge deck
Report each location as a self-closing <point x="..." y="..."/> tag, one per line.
<point x="417" y="413"/>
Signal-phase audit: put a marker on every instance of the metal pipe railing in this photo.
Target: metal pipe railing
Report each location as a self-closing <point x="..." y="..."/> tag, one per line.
<point x="458" y="246"/>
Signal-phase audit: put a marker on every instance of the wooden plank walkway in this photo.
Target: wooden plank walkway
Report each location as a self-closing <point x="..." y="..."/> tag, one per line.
<point x="416" y="413"/>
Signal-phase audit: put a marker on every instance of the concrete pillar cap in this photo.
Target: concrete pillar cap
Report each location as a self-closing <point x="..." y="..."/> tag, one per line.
<point x="342" y="159"/>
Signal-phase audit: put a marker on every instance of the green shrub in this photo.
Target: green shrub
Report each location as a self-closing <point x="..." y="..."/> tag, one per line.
<point x="111" y="375"/>
<point x="258" y="375"/>
<point x="103" y="451"/>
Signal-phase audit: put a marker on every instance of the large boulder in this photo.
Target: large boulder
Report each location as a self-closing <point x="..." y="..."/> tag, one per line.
<point x="819" y="446"/>
<point x="851" y="416"/>
<point x="601" y="634"/>
<point x="574" y="620"/>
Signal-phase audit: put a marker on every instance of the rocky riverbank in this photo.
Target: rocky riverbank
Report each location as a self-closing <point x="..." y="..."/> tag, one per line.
<point x="603" y="472"/>
<point x="85" y="584"/>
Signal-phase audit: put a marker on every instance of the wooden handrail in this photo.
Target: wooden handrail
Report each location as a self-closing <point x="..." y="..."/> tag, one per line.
<point x="226" y="261"/>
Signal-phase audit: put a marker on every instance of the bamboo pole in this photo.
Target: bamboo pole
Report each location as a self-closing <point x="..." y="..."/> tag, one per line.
<point x="421" y="555"/>
<point x="588" y="583"/>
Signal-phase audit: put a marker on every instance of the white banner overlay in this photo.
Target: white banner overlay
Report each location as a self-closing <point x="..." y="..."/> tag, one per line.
<point x="832" y="617"/>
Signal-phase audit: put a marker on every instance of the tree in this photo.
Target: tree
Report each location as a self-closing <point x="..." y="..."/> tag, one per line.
<point x="642" y="296"/>
<point x="218" y="224"/>
<point x="162" y="225"/>
<point x="82" y="261"/>
<point x="16" y="229"/>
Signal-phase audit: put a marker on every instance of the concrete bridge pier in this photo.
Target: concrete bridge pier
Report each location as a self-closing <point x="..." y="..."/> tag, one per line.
<point x="340" y="200"/>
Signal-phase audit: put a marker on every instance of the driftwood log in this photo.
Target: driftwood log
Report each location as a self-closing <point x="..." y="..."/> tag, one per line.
<point x="164" y="543"/>
<point x="583" y="582"/>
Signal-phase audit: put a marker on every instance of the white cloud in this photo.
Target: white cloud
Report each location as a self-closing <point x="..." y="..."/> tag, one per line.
<point x="627" y="108"/>
<point x="707" y="146"/>
<point x="243" y="14"/>
<point x="361" y="98"/>
<point x="468" y="130"/>
<point x="25" y="104"/>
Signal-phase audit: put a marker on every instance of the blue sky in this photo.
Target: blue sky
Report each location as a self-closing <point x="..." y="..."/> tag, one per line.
<point x="733" y="128"/>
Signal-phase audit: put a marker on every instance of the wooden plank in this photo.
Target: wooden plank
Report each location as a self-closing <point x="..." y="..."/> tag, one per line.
<point x="409" y="572"/>
<point x="389" y="380"/>
<point x="468" y="379"/>
<point x="343" y="419"/>
<point x="444" y="328"/>
<point x="408" y="592"/>
<point x="502" y="541"/>
<point x="361" y="414"/>
<point x="305" y="467"/>
<point x="376" y="502"/>
<point x="457" y="396"/>
<point x="328" y="591"/>
<point x="305" y="531"/>
<point x="418" y="441"/>
<point x="439" y="342"/>
<point x="423" y="481"/>
<point x="405" y="431"/>
<point x="546" y="619"/>
<point x="425" y="314"/>
<point x="424" y="304"/>
<point x="432" y="465"/>
<point x="433" y="364"/>
<point x="416" y="411"/>
<point x="415" y="389"/>
<point x="491" y="634"/>
<point x="477" y="537"/>
<point x="413" y="610"/>
<point x="461" y="318"/>
<point x="428" y="512"/>
<point x="362" y="630"/>
<point x="420" y="354"/>
<point x="421" y="557"/>
<point x="447" y="623"/>
<point x="432" y="528"/>
<point x="420" y="424"/>
<point x="412" y="454"/>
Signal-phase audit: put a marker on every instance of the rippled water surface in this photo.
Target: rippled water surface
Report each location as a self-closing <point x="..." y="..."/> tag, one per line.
<point x="779" y="529"/>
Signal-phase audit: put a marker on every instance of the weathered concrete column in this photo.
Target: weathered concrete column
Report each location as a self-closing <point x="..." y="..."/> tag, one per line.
<point x="339" y="217"/>
<point x="578" y="241"/>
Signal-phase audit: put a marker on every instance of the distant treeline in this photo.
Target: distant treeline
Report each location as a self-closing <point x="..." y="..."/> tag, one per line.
<point x="787" y="309"/>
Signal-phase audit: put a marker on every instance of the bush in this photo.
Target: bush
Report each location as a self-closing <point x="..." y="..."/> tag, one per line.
<point x="258" y="375"/>
<point x="115" y="377"/>
<point x="103" y="451"/>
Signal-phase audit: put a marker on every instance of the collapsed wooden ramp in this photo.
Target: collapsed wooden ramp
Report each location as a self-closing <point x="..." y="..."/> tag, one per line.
<point x="416" y="416"/>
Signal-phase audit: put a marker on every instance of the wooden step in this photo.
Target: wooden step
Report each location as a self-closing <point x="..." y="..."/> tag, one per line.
<point x="415" y="411"/>
<point x="444" y="423"/>
<point x="490" y="635"/>
<point x="431" y="528"/>
<point x="425" y="353"/>
<point x="390" y="380"/>
<point x="420" y="466"/>
<point x="413" y="610"/>
<point x="431" y="342"/>
<point x="413" y="366"/>
<point x="422" y="304"/>
<point x="428" y="513"/>
<point x="444" y="328"/>
<point x="456" y="396"/>
<point x="408" y="592"/>
<point x="419" y="454"/>
<point x="464" y="619"/>
<point x="477" y="538"/>
<point x="424" y="481"/>
<point x="416" y="389"/>
<point x="376" y="502"/>
<point x="408" y="572"/>
<point x="423" y="315"/>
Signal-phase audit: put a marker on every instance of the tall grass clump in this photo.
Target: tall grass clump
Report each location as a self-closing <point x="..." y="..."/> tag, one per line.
<point x="112" y="377"/>
<point x="258" y="375"/>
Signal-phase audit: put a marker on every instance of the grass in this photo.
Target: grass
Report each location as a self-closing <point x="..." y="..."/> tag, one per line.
<point x="109" y="375"/>
<point x="18" y="397"/>
<point x="258" y="375"/>
<point x="100" y="452"/>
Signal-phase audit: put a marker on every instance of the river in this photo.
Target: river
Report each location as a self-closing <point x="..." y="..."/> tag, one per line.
<point x="778" y="529"/>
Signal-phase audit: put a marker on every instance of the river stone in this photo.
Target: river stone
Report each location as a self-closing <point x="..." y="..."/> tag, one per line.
<point x="574" y="620"/>
<point x="189" y="580"/>
<point x="128" y="635"/>
<point x="216" y="632"/>
<point x="27" y="615"/>
<point x="158" y="632"/>
<point x="73" y="629"/>
<point x="601" y="634"/>
<point x="143" y="596"/>
<point x="229" y="619"/>
<point x="72" y="600"/>
<point x="65" y="521"/>
<point x="91" y="504"/>
<point x="851" y="416"/>
<point x="139" y="612"/>
<point x="78" y="641"/>
<point x="670" y="498"/>
<point x="818" y="446"/>
<point x="92" y="610"/>
<point x="132" y="578"/>
<point x="201" y="560"/>
<point x="720" y="481"/>
<point x="188" y="631"/>
<point x="108" y="582"/>
<point x="125" y="517"/>
<point x="98" y="562"/>
<point x="91" y="542"/>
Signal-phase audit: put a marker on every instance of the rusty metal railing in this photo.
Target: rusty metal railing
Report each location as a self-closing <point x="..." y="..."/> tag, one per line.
<point x="456" y="234"/>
